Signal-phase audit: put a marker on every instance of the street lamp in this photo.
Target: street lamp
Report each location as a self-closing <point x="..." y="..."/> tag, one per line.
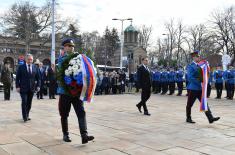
<point x="53" y="33"/>
<point x="122" y="38"/>
<point x="168" y="44"/>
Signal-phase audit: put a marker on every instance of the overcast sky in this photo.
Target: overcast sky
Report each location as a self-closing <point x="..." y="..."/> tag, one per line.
<point x="97" y="14"/>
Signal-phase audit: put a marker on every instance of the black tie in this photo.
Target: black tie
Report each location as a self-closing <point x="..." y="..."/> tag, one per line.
<point x="29" y="70"/>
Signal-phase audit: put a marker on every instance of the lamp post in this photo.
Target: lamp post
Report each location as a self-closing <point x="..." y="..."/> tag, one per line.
<point x="168" y="44"/>
<point x="53" y="34"/>
<point x="122" y="38"/>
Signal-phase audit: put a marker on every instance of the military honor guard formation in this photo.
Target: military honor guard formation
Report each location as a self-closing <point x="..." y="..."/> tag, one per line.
<point x="76" y="80"/>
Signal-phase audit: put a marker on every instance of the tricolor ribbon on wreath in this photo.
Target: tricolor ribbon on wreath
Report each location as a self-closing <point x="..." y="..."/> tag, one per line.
<point x="205" y="76"/>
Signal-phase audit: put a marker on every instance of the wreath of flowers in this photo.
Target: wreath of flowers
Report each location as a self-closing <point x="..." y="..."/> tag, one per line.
<point x="70" y="75"/>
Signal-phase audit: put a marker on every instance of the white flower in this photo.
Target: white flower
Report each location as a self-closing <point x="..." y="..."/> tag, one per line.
<point x="70" y="68"/>
<point x="72" y="62"/>
<point x="67" y="73"/>
<point x="75" y="67"/>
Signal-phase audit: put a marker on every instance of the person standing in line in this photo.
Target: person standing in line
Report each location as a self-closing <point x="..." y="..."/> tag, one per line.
<point x="218" y="76"/>
<point x="136" y="82"/>
<point x="158" y="84"/>
<point x="171" y="79"/>
<point x="42" y="77"/>
<point x="144" y="77"/>
<point x="195" y="88"/>
<point x="7" y="79"/>
<point x="210" y="80"/>
<point x="52" y="81"/>
<point x="231" y="82"/>
<point x="164" y="81"/>
<point x="27" y="82"/>
<point x="225" y="77"/>
<point x="180" y="81"/>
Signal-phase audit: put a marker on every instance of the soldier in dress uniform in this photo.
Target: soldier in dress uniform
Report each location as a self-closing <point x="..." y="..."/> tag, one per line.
<point x="210" y="80"/>
<point x="157" y="78"/>
<point x="218" y="76"/>
<point x="164" y="81"/>
<point x="171" y="80"/>
<point x="160" y="80"/>
<point x="231" y="82"/>
<point x="225" y="77"/>
<point x="65" y="102"/>
<point x="153" y="75"/>
<point x="180" y="80"/>
<point x="195" y="89"/>
<point x="7" y="79"/>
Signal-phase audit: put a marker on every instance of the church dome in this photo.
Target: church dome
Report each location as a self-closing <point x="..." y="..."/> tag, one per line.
<point x="130" y="29"/>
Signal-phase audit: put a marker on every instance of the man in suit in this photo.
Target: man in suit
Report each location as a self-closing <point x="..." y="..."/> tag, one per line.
<point x="195" y="89"/>
<point x="42" y="78"/>
<point x="144" y="77"/>
<point x="52" y="81"/>
<point x="27" y="80"/>
<point x="66" y="100"/>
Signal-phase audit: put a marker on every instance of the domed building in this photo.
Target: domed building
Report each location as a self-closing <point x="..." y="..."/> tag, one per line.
<point x="132" y="52"/>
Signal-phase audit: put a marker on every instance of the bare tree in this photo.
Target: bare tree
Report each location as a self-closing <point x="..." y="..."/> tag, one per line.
<point x="223" y="24"/>
<point x="171" y="38"/>
<point x="179" y="40"/>
<point x="145" y="33"/>
<point x="28" y="22"/>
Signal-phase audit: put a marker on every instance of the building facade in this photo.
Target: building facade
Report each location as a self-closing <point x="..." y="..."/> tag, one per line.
<point x="132" y="52"/>
<point x="13" y="49"/>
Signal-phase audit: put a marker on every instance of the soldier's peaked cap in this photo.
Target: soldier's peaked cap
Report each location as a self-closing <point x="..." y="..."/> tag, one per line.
<point x="68" y="42"/>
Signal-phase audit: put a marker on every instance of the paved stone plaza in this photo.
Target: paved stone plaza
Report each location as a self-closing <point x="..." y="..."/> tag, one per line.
<point x="119" y="128"/>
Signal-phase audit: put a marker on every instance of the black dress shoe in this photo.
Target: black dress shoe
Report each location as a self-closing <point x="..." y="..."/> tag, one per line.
<point x="25" y="120"/>
<point x="66" y="138"/>
<point x="87" y="138"/>
<point x="188" y="120"/>
<point x="139" y="108"/>
<point x="214" y="119"/>
<point x="146" y="113"/>
<point x="28" y="119"/>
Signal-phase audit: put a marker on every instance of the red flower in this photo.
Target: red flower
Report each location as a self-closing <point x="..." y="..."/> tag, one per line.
<point x="75" y="88"/>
